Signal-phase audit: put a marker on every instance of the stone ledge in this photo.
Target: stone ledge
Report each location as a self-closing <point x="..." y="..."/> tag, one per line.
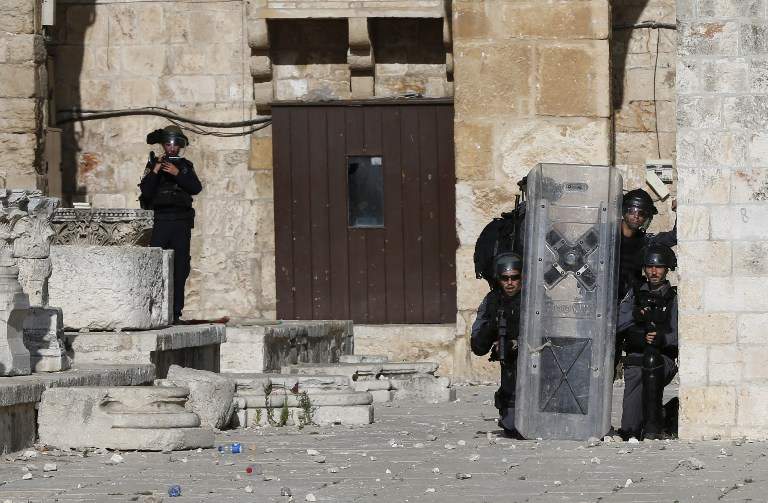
<point x="264" y="346"/>
<point x="112" y="346"/>
<point x="29" y="389"/>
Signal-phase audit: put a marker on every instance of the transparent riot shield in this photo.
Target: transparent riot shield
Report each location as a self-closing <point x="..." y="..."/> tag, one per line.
<point x="567" y="326"/>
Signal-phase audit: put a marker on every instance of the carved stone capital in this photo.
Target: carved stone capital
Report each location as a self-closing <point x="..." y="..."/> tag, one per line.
<point x="102" y="226"/>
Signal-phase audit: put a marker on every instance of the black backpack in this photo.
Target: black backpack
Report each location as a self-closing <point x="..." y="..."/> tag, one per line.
<point x="502" y="234"/>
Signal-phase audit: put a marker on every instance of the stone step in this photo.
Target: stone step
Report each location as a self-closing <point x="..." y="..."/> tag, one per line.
<point x="129" y="418"/>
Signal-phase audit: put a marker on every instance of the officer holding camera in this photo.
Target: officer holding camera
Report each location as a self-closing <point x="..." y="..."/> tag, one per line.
<point x="496" y="329"/>
<point x="647" y="329"/>
<point x="167" y="187"/>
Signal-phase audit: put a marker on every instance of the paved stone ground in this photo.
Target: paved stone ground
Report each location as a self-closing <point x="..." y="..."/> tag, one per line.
<point x="412" y="453"/>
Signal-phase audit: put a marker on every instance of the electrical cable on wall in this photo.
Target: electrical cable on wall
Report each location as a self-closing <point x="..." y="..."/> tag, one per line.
<point x="195" y="125"/>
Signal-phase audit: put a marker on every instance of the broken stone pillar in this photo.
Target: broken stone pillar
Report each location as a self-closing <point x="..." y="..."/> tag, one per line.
<point x="127" y="418"/>
<point x="43" y="327"/>
<point x="14" y="303"/>
<point x="279" y="400"/>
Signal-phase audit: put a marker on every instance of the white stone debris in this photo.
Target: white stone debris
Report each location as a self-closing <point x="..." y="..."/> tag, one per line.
<point x="26" y="476"/>
<point x="310" y="497"/>
<point x="628" y="483"/>
<point x="474" y="457"/>
<point x="463" y="476"/>
<point x="116" y="459"/>
<point x="50" y="467"/>
<point x="430" y="490"/>
<point x="558" y="483"/>
<point x="436" y="470"/>
<point x="248" y="489"/>
<point x="691" y="463"/>
<point x="418" y="445"/>
<point x="462" y="443"/>
<point x="593" y="442"/>
<point x="312" y="452"/>
<point x="595" y="461"/>
<point x="633" y="440"/>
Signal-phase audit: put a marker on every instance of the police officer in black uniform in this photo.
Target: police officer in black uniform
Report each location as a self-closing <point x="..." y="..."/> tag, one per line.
<point x="167" y="187"/>
<point x="637" y="212"/>
<point x="647" y="328"/>
<point x="496" y="329"/>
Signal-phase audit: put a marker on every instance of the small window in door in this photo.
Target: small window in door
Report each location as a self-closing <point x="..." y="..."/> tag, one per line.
<point x="365" y="185"/>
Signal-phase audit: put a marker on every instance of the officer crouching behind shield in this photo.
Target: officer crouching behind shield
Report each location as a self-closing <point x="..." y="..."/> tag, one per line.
<point x="647" y="327"/>
<point x="167" y="187"/>
<point x="496" y="329"/>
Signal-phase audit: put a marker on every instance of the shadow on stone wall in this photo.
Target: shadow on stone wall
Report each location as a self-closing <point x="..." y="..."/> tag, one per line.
<point x="68" y="49"/>
<point x="624" y="13"/>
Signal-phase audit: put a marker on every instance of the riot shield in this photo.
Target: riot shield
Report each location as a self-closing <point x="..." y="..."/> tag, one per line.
<point x="568" y="312"/>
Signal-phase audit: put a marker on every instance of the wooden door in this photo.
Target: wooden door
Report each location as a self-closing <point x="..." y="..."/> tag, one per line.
<point x="365" y="211"/>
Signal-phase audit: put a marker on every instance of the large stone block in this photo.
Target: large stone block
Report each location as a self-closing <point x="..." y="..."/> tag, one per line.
<point x="750" y="258"/>
<point x="753" y="38"/>
<point x="755" y="370"/>
<point x="726" y="364"/>
<point x="726" y="75"/>
<point x="735" y="294"/>
<point x="751" y="328"/>
<point x="493" y="78"/>
<point x="195" y="346"/>
<point x="746" y="112"/>
<point x="708" y="328"/>
<point x="474" y="151"/>
<point x="573" y="80"/>
<point x="712" y="148"/>
<point x="211" y="396"/>
<point x="693" y="223"/>
<point x="716" y="38"/>
<point x="132" y="418"/>
<point x="708" y="258"/>
<point x="111" y="287"/>
<point x="694" y="362"/>
<point x="18" y="115"/>
<point x="703" y="112"/>
<point x="18" y="81"/>
<point x="702" y="186"/>
<point x="753" y="409"/>
<point x="707" y="405"/>
<point x="260" y="153"/>
<point x="267" y="346"/>
<point x="739" y="222"/>
<point x="523" y="144"/>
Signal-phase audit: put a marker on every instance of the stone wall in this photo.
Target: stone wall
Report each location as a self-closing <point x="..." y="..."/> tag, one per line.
<point x="531" y="85"/>
<point x="643" y="89"/>
<point x="23" y="91"/>
<point x="722" y="152"/>
<point x="193" y="59"/>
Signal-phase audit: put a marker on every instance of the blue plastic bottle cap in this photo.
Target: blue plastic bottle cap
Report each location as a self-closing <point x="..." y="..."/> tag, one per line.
<point x="174" y="491"/>
<point x="236" y="449"/>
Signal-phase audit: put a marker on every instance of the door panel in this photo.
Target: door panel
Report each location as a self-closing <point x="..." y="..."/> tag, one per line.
<point x="401" y="272"/>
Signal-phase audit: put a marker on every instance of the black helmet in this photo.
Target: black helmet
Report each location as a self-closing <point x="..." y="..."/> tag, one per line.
<point x="169" y="134"/>
<point x="638" y="198"/>
<point x="505" y="262"/>
<point x="659" y="255"/>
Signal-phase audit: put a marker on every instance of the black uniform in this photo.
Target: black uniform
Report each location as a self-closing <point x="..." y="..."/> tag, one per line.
<point x="171" y="199"/>
<point x="660" y="306"/>
<point x="631" y="256"/>
<point x="485" y="337"/>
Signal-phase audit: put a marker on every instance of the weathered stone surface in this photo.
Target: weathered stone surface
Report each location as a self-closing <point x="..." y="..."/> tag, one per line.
<point x="44" y="338"/>
<point x="102" y="226"/>
<point x="405" y="343"/>
<point x="110" y="287"/>
<point x="14" y="356"/>
<point x="706" y="405"/>
<point x="135" y="418"/>
<point x="494" y="79"/>
<point x="709" y="328"/>
<point x="318" y="398"/>
<point x="710" y="258"/>
<point x="716" y="38"/>
<point x="394" y="370"/>
<point x="197" y="344"/>
<point x="424" y="387"/>
<point x="266" y="346"/>
<point x="28" y="389"/>
<point x="350" y="415"/>
<point x="751" y="328"/>
<point x="363" y="358"/>
<point x="247" y="382"/>
<point x="735" y="294"/>
<point x="573" y="80"/>
<point x="210" y="395"/>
